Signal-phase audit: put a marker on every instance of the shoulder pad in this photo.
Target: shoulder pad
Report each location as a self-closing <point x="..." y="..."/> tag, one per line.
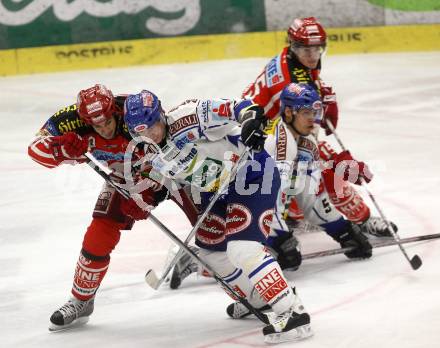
<point x="182" y="117"/>
<point x="68" y="120"/>
<point x="272" y="125"/>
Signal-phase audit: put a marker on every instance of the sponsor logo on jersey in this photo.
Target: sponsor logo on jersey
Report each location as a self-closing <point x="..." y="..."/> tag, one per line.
<point x="213" y="224"/>
<point x="271" y="285"/>
<point x="237" y="290"/>
<point x="87" y="278"/>
<point x="183" y="123"/>
<point x="69" y="125"/>
<point x="309" y="146"/>
<point x="67" y="109"/>
<point x="182" y="164"/>
<point x="238" y="219"/>
<point x="221" y="109"/>
<point x="185" y="139"/>
<point x="282" y="145"/>
<point x="207" y="174"/>
<point x="102" y="155"/>
<point x="103" y="202"/>
<point x="211" y="230"/>
<point x="301" y="75"/>
<point x="202" y="110"/>
<point x="273" y="72"/>
<point x="265" y="221"/>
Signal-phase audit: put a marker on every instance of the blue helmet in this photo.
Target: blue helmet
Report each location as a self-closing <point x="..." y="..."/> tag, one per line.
<point x="141" y="111"/>
<point x="299" y="96"/>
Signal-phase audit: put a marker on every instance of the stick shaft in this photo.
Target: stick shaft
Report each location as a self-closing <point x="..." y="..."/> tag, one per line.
<point x="176" y="240"/>
<point x="202" y="218"/>
<point x="415" y="262"/>
<point x="382" y="244"/>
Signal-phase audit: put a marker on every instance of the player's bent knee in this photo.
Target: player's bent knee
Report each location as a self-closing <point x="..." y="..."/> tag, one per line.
<point x="218" y="261"/>
<point x="245" y="254"/>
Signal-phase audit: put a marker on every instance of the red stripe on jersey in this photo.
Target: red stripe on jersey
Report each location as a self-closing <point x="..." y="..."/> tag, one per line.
<point x="39" y="151"/>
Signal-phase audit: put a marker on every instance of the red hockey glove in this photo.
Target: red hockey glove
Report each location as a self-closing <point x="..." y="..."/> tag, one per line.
<point x="68" y="146"/>
<point x="330" y="107"/>
<point x="350" y="169"/>
<point x="142" y="210"/>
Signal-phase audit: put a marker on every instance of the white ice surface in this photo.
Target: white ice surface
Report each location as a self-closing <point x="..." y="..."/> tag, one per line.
<point x="389" y="117"/>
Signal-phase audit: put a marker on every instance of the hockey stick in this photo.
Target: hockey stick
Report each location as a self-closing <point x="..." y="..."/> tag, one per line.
<point x="203" y="264"/>
<point x="151" y="277"/>
<point x="105" y="174"/>
<point x="415" y="261"/>
<point x="381" y="244"/>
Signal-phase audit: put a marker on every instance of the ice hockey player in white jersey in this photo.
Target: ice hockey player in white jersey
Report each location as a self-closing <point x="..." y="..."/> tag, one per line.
<point x="296" y="154"/>
<point x="196" y="144"/>
<point x="302" y="194"/>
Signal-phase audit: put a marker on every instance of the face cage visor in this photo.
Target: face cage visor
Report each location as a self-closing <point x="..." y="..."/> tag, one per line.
<point x="317" y="112"/>
<point x="138" y="132"/>
<point x="315" y="51"/>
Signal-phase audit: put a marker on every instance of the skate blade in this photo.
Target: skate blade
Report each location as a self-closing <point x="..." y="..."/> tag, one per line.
<point x="297" y="334"/>
<point x="76" y="323"/>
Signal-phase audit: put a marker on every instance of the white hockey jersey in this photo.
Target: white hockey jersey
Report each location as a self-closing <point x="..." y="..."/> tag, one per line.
<point x="202" y="143"/>
<point x="298" y="164"/>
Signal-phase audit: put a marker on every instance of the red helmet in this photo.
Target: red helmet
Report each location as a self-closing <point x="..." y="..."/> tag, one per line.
<point x="306" y="32"/>
<point x="95" y="104"/>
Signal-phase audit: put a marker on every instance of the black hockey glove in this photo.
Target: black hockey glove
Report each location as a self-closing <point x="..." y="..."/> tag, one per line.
<point x="289" y="256"/>
<point x="353" y="237"/>
<point x="253" y="121"/>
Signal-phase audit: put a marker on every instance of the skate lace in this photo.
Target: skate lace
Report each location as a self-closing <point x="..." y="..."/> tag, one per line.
<point x="239" y="310"/>
<point x="192" y="267"/>
<point x="281" y="320"/>
<point x="376" y="224"/>
<point x="72" y="308"/>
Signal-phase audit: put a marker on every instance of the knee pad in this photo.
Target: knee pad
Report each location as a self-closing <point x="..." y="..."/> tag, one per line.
<point x="246" y="254"/>
<point x="234" y="276"/>
<point x="218" y="260"/>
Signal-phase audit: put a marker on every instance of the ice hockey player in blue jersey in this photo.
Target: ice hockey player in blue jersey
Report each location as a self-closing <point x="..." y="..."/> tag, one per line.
<point x="196" y="144"/>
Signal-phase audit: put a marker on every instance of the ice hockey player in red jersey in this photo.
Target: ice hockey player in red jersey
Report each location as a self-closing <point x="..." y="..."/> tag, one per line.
<point x="300" y="62"/>
<point x="93" y="124"/>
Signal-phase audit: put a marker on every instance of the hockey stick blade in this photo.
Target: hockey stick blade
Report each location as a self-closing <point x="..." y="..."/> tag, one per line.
<point x="152" y="279"/>
<point x="416" y="262"/>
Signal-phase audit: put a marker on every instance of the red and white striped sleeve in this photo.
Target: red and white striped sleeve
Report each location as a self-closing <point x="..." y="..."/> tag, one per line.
<point x="39" y="150"/>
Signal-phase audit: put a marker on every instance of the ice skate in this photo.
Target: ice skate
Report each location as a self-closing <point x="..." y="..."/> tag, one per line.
<point x="289" y="326"/>
<point x="377" y="227"/>
<point x="183" y="268"/>
<point x="292" y="325"/>
<point x="72" y="314"/>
